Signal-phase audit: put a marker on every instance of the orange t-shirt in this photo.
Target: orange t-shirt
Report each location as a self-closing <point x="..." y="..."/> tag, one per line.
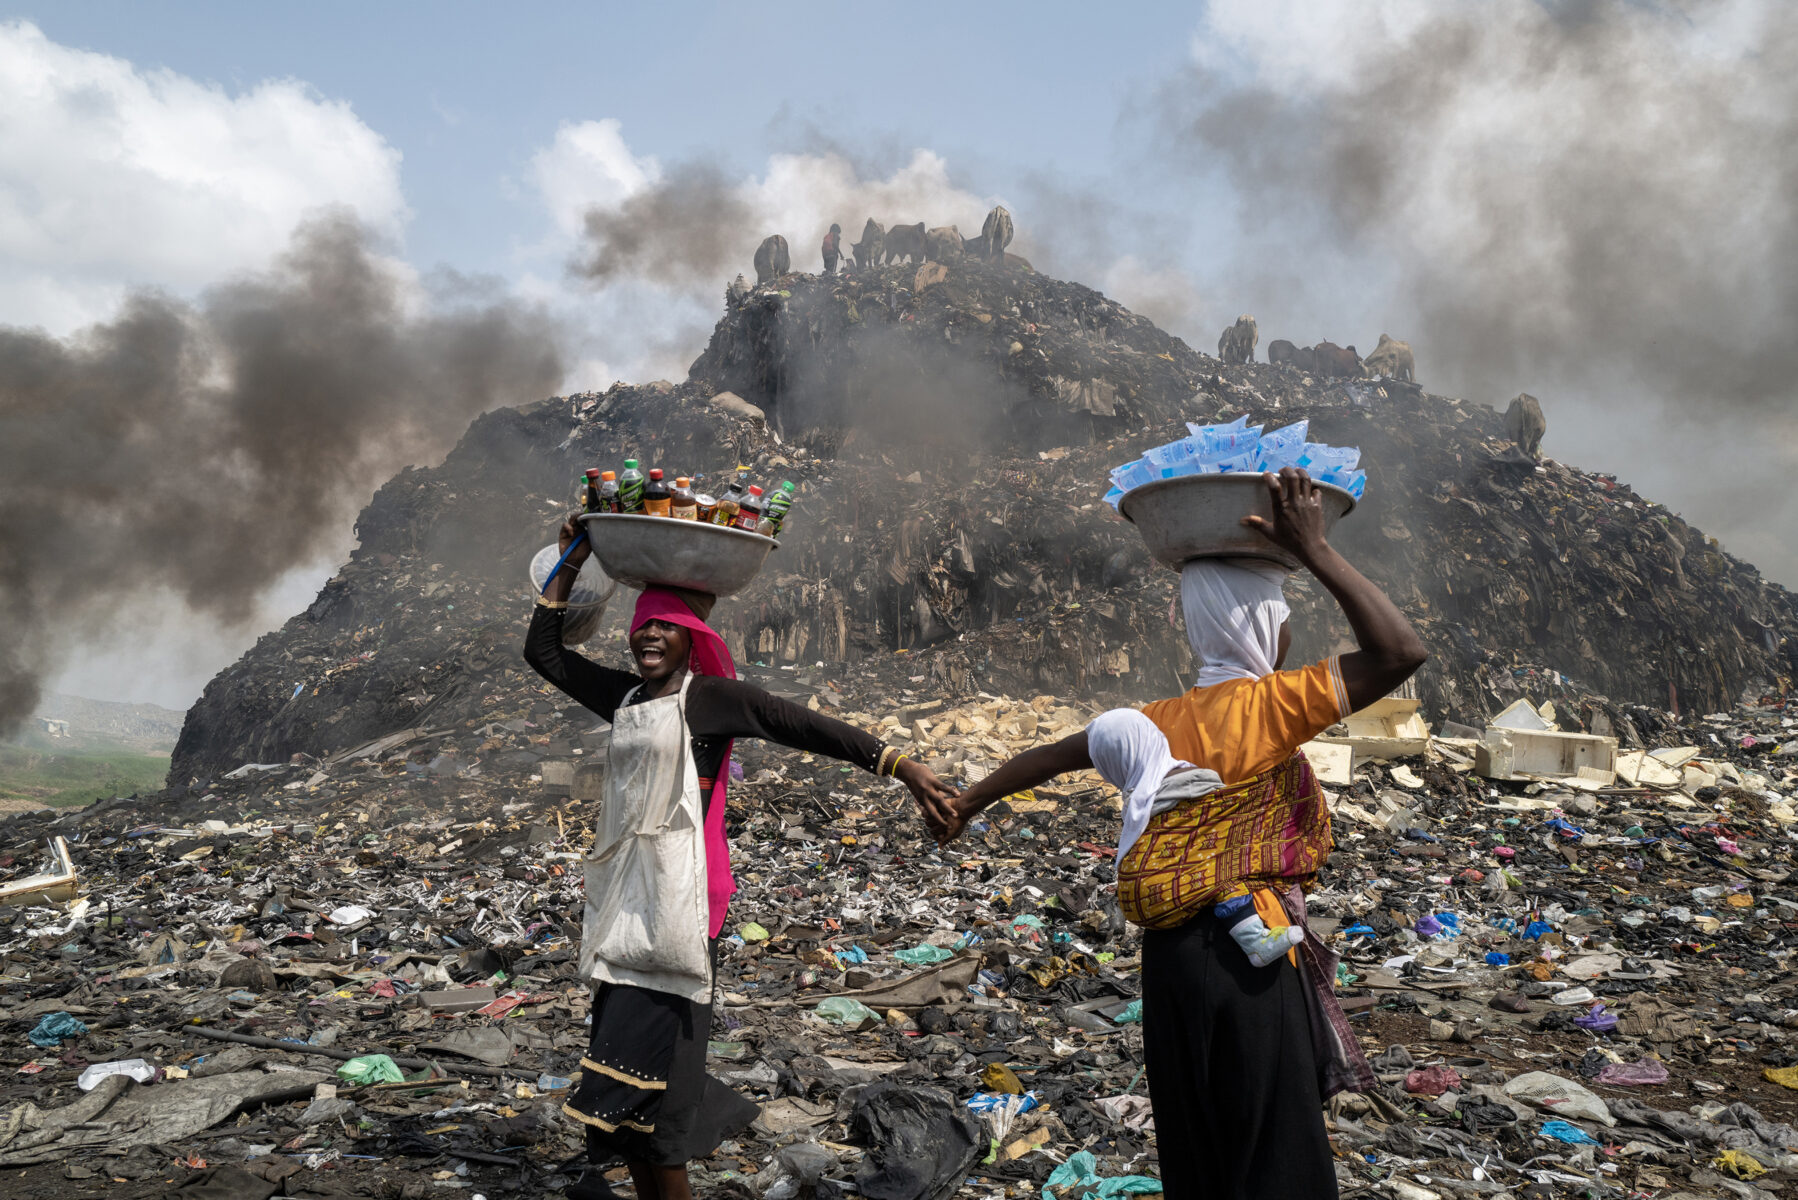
<point x="1242" y="727"/>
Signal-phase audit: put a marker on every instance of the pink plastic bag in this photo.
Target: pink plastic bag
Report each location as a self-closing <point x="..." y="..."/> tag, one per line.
<point x="1433" y="1081"/>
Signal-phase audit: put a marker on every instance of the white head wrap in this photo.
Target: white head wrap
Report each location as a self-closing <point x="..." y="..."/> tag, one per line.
<point x="1234" y="609"/>
<point x="1132" y="756"/>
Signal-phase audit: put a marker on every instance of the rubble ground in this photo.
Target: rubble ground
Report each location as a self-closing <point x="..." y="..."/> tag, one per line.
<point x="1572" y="983"/>
<point x="1630" y="944"/>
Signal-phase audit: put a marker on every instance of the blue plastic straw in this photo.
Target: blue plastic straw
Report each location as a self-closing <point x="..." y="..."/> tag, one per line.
<point x="558" y="567"/>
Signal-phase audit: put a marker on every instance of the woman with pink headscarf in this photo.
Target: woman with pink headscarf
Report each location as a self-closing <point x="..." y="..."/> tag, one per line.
<point x="659" y="879"/>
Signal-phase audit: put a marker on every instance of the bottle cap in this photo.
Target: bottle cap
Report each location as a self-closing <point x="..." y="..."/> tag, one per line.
<point x="655" y="472"/>
<point x="786" y="485"/>
<point x="608" y="476"/>
<point x="754" y="490"/>
<point x="630" y="464"/>
<point x="682" y="481"/>
<point x="592" y="472"/>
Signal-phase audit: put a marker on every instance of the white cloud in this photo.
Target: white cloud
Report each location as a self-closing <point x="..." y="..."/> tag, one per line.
<point x="588" y="165"/>
<point x="112" y="176"/>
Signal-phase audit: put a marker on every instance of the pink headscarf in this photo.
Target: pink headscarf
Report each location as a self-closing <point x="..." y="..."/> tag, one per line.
<point x="710" y="656"/>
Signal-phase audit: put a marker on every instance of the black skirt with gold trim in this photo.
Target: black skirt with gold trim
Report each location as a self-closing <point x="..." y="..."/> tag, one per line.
<point x="644" y="1094"/>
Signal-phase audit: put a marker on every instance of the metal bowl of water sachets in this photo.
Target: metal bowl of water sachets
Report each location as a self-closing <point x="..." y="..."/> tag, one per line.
<point x="1200" y="516"/>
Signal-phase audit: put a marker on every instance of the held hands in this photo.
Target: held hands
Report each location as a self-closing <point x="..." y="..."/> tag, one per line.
<point x="1298" y="524"/>
<point x="935" y="798"/>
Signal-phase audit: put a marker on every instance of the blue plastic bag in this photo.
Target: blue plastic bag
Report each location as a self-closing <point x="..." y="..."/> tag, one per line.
<point x="1078" y="1179"/>
<point x="55" y="1027"/>
<point x="1573" y="1135"/>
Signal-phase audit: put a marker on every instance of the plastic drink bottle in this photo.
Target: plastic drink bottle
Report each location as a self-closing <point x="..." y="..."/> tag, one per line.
<point x="630" y="488"/>
<point x="591" y="503"/>
<point x="657" y="499"/>
<point x="608" y="491"/>
<point x="684" y="506"/>
<point x="726" y="511"/>
<point x="779" y="505"/>
<point x="749" y="510"/>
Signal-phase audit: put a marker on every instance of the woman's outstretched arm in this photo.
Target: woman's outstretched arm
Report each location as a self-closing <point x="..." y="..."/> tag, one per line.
<point x="1036" y="765"/>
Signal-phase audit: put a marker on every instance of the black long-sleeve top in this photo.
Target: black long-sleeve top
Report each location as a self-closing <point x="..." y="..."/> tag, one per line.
<point x="718" y="709"/>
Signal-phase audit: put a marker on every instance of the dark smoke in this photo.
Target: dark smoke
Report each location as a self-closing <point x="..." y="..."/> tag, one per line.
<point x="205" y="449"/>
<point x="681" y="231"/>
<point x="1596" y="202"/>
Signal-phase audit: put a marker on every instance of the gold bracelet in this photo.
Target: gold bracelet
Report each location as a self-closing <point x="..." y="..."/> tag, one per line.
<point x="542" y="602"/>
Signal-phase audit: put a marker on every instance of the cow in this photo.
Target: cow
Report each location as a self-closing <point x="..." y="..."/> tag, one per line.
<point x="872" y="248"/>
<point x="1237" y="343"/>
<point x="1334" y="362"/>
<point x="942" y="244"/>
<point x="1393" y="359"/>
<point x="1525" y="424"/>
<point x="1299" y="357"/>
<point x="995" y="234"/>
<point x="772" y="258"/>
<point x="905" y="241"/>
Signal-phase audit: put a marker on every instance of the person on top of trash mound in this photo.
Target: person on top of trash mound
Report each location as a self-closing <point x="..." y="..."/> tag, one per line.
<point x="658" y="879"/>
<point x="1223" y="826"/>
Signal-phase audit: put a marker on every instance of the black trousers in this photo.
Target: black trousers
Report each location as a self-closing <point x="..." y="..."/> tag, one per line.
<point x="1232" y="1074"/>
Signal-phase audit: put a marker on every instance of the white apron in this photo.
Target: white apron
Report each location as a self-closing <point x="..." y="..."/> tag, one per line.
<point x="647" y="910"/>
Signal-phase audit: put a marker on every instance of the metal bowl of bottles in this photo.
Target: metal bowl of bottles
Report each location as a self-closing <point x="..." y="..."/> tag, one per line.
<point x="1200" y="516"/>
<point x="644" y="551"/>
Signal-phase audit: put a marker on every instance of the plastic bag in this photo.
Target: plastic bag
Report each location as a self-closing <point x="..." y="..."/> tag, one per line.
<point x="1078" y="1179"/>
<point x="136" y="1068"/>
<point x="1573" y="1135"/>
<point x="923" y="956"/>
<point x="1433" y="1081"/>
<point x="54" y="1028"/>
<point x="371" y="1068"/>
<point x="1647" y="1073"/>
<point x="844" y="1010"/>
<point x="1561" y="1097"/>
<point x="920" y="1142"/>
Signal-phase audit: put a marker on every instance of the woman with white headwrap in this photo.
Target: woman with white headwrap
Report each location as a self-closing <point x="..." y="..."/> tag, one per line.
<point x="1222" y="815"/>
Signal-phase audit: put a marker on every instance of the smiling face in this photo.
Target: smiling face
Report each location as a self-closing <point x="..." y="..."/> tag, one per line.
<point x="661" y="649"/>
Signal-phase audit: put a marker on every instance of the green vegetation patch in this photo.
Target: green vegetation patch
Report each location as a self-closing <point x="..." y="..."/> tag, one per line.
<point x="63" y="778"/>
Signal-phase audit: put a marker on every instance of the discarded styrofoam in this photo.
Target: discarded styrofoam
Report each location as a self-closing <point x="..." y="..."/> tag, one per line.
<point x="1332" y="762"/>
<point x="1581" y="760"/>
<point x="55" y="886"/>
<point x="1386" y="729"/>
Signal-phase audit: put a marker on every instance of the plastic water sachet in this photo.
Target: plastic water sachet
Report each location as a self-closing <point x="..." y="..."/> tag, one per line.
<point x="1238" y="447"/>
<point x="1282" y="447"/>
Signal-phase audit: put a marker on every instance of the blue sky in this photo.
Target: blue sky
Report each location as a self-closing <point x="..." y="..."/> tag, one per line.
<point x="468" y="94"/>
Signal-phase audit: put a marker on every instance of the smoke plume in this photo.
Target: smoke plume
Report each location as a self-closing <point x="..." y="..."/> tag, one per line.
<point x="689" y="226"/>
<point x="205" y="448"/>
<point x="681" y="231"/>
<point x="1595" y="201"/>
